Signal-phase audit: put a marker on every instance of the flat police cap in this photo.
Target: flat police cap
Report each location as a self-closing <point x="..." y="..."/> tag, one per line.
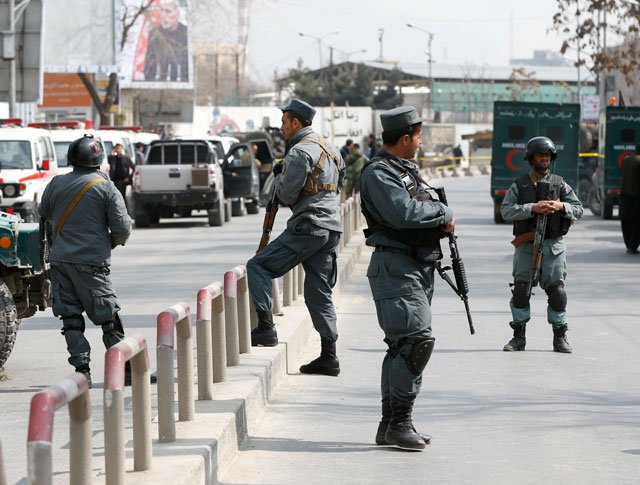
<point x="302" y="109"/>
<point x="399" y="118"/>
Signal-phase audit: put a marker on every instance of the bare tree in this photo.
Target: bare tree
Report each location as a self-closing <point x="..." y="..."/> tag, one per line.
<point x="130" y="15"/>
<point x="523" y="82"/>
<point x="586" y="24"/>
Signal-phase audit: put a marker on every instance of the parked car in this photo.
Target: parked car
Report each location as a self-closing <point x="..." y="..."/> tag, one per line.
<point x="62" y="138"/>
<point x="177" y="177"/>
<point x="27" y="164"/>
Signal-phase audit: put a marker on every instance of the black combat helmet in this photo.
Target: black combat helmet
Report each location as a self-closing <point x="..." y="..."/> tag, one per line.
<point x="85" y="152"/>
<point x="540" y="144"/>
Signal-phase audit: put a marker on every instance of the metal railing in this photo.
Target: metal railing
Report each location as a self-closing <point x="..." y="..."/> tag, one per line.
<point x="73" y="390"/>
<point x="211" y="339"/>
<point x="179" y="317"/>
<point x="134" y="349"/>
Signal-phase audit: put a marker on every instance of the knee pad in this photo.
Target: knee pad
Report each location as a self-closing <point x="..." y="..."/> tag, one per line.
<point x="75" y="322"/>
<point x="520" y="298"/>
<point x="556" y="296"/>
<point x="417" y="353"/>
<point x="111" y="333"/>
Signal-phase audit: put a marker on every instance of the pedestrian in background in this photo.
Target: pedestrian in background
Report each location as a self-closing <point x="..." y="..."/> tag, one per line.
<point x="308" y="180"/>
<point x="354" y="163"/>
<point x="83" y="236"/>
<point x="405" y="226"/>
<point x="120" y="170"/>
<point x="522" y="204"/>
<point x="630" y="201"/>
<point x="346" y="149"/>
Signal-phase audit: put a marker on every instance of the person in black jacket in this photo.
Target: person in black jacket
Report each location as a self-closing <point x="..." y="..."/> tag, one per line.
<point x="120" y="169"/>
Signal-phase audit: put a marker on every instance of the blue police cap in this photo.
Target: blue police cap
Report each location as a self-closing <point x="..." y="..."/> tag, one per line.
<point x="302" y="109"/>
<point x="399" y="118"/>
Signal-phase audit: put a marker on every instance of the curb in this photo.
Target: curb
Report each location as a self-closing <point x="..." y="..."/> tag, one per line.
<point x="206" y="446"/>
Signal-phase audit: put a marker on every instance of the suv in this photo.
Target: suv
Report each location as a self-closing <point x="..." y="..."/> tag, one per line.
<point x="178" y="176"/>
<point x="24" y="277"/>
<point x="27" y="164"/>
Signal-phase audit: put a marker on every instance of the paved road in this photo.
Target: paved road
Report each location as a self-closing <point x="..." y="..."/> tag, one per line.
<point x="158" y="267"/>
<point x="528" y="417"/>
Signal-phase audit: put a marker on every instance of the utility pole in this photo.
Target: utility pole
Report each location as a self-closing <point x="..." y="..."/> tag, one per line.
<point x="429" y="63"/>
<point x="12" y="59"/>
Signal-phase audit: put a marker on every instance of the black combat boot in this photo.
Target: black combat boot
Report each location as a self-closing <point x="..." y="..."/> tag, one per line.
<point x="384" y="424"/>
<point x="518" y="341"/>
<point x="84" y="369"/>
<point x="401" y="431"/>
<point x="560" y="342"/>
<point x="264" y="335"/>
<point x="327" y="364"/>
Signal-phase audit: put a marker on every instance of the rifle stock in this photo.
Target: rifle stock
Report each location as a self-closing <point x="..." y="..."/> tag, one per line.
<point x="461" y="286"/>
<point x="269" y="218"/>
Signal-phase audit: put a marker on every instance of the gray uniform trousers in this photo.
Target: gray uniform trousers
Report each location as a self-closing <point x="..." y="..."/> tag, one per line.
<point x="402" y="289"/>
<point x="78" y="288"/>
<point x="315" y="248"/>
<point x="553" y="270"/>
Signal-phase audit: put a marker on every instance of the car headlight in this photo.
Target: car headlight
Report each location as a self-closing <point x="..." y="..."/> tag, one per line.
<point x="9" y="190"/>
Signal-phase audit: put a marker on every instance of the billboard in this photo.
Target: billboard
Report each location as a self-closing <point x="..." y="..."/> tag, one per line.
<point x="155" y="52"/>
<point x="78" y="37"/>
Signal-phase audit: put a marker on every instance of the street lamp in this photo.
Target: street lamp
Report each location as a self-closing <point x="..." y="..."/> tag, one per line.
<point x="319" y="39"/>
<point x="429" y="62"/>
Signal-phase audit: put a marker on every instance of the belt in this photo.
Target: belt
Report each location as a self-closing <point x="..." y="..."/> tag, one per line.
<point x="391" y="249"/>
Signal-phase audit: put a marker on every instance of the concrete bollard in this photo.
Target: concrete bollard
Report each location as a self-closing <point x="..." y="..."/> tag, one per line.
<point x="177" y="317"/>
<point x="287" y="289"/>
<point x="238" y="322"/>
<point x="134" y="349"/>
<point x="3" y="475"/>
<point x="294" y="284"/>
<point x="74" y="391"/>
<point x="211" y="356"/>
<point x="300" y="280"/>
<point x="277" y="302"/>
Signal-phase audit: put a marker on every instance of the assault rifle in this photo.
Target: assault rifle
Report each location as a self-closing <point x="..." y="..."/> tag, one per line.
<point x="269" y="218"/>
<point x="538" y="239"/>
<point x="460" y="287"/>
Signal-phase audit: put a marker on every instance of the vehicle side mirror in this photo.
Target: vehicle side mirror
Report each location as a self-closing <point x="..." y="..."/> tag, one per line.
<point x="45" y="164"/>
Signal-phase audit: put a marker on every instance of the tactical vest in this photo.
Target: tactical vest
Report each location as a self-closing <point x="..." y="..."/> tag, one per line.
<point x="557" y="224"/>
<point x="311" y="185"/>
<point x="424" y="243"/>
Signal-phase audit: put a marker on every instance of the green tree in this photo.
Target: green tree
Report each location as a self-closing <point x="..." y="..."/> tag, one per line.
<point x="309" y="86"/>
<point x="352" y="84"/>
<point x="583" y="23"/>
<point x="387" y="96"/>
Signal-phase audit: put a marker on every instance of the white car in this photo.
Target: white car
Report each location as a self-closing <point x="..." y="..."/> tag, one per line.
<point x="27" y="164"/>
<point x="62" y="138"/>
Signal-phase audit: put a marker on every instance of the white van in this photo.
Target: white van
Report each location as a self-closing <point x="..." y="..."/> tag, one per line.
<point x="110" y="138"/>
<point x="61" y="141"/>
<point x="27" y="164"/>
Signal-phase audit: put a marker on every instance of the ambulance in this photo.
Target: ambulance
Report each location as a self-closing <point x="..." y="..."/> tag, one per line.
<point x="27" y="164"/>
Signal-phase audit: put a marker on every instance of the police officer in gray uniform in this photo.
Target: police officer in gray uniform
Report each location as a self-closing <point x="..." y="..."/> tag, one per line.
<point x="405" y="226"/>
<point x="522" y="204"/>
<point x="89" y="220"/>
<point x="308" y="181"/>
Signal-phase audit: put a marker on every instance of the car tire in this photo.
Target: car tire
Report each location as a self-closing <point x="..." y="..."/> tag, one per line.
<point x="497" y="213"/>
<point x="594" y="202"/>
<point x="141" y="219"/>
<point x="227" y="210"/>
<point x="9" y="323"/>
<point x="238" y="208"/>
<point x="607" y="209"/>
<point x="584" y="188"/>
<point x="252" y="207"/>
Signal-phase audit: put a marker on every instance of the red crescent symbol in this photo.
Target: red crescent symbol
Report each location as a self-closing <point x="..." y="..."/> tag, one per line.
<point x="509" y="160"/>
<point x="622" y="155"/>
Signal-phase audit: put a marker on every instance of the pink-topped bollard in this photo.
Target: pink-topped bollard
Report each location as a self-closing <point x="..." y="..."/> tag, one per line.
<point x="237" y="320"/>
<point x="211" y="339"/>
<point x="134" y="349"/>
<point x="174" y="320"/>
<point x="74" y="391"/>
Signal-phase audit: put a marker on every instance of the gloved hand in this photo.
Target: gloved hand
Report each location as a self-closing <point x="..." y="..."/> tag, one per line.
<point x="277" y="168"/>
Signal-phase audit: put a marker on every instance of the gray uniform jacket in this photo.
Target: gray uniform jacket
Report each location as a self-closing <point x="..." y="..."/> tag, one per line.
<point x="387" y="199"/>
<point x="323" y="208"/>
<point x="99" y="220"/>
<point x="512" y="211"/>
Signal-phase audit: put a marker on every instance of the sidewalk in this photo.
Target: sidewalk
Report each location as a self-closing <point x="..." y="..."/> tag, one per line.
<point x="208" y="444"/>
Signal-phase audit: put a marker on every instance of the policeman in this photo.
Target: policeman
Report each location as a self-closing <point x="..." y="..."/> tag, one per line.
<point x="405" y="226"/>
<point x="308" y="181"/>
<point x="89" y="220"/>
<point x="522" y="204"/>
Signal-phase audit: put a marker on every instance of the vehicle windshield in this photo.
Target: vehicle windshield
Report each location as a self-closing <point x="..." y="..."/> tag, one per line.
<point x="61" y="148"/>
<point x="15" y="154"/>
<point x="178" y="154"/>
<point x="108" y="147"/>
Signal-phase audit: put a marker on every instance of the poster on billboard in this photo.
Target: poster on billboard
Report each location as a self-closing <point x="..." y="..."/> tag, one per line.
<point x="156" y="52"/>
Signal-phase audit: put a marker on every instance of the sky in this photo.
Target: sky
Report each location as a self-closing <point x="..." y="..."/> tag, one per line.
<point x="464" y="31"/>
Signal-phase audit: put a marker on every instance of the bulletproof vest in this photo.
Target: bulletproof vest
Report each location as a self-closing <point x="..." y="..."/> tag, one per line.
<point x="424" y="243"/>
<point x="557" y="224"/>
<point x="311" y="185"/>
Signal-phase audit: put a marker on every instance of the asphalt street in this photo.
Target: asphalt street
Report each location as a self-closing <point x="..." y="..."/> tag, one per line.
<point x="496" y="417"/>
